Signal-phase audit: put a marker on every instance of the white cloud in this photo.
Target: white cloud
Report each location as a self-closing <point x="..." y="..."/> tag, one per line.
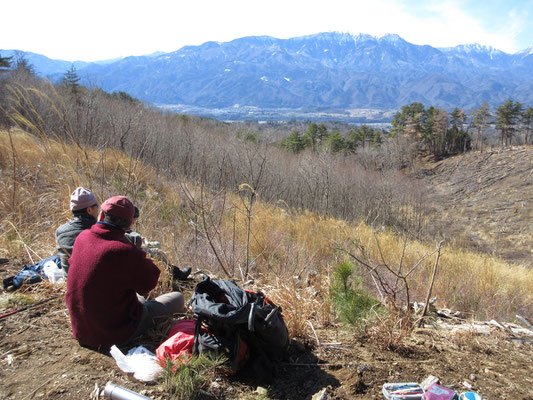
<point x="454" y="26"/>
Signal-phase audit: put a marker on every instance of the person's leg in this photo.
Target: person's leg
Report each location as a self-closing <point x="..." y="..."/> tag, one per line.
<point x="157" y="309"/>
<point x="166" y="305"/>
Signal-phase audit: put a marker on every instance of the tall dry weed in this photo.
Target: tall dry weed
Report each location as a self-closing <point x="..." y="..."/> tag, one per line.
<point x="45" y="175"/>
<point x="304" y="303"/>
<point x="390" y="329"/>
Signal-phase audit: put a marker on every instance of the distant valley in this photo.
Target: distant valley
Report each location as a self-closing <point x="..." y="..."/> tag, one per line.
<point x="323" y="76"/>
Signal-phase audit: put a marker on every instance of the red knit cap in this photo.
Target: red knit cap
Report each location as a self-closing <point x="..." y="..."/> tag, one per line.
<point x="119" y="206"/>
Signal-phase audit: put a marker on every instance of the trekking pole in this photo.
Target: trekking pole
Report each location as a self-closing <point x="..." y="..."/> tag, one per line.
<point x="29" y="306"/>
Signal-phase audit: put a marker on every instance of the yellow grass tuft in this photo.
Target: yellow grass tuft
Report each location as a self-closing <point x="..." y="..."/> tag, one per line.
<point x="302" y="302"/>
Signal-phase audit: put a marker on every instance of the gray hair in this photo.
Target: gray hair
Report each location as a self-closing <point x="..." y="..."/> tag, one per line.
<point x="120" y="222"/>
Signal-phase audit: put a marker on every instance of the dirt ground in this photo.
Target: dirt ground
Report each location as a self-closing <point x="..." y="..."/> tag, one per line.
<point x="40" y="359"/>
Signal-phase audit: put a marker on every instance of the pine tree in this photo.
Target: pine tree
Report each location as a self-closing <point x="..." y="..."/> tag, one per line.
<point x="335" y="142"/>
<point x="480" y="120"/>
<point x="527" y="120"/>
<point x="322" y="132"/>
<point x="365" y="133"/>
<point x="457" y="139"/>
<point x="377" y="140"/>
<point x="429" y="131"/>
<point x="398" y="124"/>
<point x="410" y="120"/>
<point x="5" y="62"/>
<point x="442" y="122"/>
<point x="507" y="117"/>
<point x="22" y="64"/>
<point x="353" y="139"/>
<point x="312" y="135"/>
<point x="123" y="96"/>
<point x="294" y="142"/>
<point x="71" y="80"/>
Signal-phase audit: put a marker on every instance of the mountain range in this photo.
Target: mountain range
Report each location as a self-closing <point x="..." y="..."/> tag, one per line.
<point x="322" y="72"/>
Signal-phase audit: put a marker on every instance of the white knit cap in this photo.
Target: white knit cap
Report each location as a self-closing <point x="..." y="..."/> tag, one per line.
<point x="82" y="198"/>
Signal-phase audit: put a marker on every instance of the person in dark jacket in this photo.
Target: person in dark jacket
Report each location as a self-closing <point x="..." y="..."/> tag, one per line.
<point x="108" y="279"/>
<point x="84" y="207"/>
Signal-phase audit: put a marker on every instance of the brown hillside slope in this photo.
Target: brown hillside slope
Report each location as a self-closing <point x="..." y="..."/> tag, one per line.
<point x="485" y="201"/>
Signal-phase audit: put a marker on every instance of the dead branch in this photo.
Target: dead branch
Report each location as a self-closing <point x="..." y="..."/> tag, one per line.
<point x="439" y="245"/>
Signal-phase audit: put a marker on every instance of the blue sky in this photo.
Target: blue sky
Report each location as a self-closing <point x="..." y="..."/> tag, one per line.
<point x="509" y="20"/>
<point x="104" y="29"/>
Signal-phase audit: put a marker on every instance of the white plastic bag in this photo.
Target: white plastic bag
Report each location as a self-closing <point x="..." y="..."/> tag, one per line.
<point x="140" y="361"/>
<point x="53" y="272"/>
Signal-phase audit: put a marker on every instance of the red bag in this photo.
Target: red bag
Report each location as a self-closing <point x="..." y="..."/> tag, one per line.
<point x="437" y="392"/>
<point x="179" y="343"/>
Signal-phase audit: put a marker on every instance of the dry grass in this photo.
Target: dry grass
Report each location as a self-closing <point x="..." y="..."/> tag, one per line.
<point x="468" y="281"/>
<point x="389" y="331"/>
<point x="472" y="340"/>
<point x="37" y="175"/>
<point x="302" y="304"/>
<point x="35" y="199"/>
<point x="484" y="204"/>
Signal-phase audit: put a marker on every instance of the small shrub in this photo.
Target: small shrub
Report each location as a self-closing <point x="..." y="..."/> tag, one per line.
<point x="118" y="184"/>
<point x="300" y="305"/>
<point x="350" y="302"/>
<point x="389" y="331"/>
<point x="184" y="378"/>
<point x="169" y="212"/>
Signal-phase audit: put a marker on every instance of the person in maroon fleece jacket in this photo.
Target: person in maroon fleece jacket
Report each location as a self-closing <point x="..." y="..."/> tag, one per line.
<point x="107" y="280"/>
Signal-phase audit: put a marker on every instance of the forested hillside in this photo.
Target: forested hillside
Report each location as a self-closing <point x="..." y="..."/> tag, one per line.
<point x="220" y="156"/>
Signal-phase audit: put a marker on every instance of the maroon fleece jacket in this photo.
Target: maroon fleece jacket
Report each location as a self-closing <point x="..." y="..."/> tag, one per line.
<point x="104" y="278"/>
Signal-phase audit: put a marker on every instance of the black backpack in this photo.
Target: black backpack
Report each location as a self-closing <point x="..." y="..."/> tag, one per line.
<point x="244" y="326"/>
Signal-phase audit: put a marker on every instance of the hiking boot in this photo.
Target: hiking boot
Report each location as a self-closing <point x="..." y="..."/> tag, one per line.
<point x="10" y="288"/>
<point x="181" y="274"/>
<point x="8" y="282"/>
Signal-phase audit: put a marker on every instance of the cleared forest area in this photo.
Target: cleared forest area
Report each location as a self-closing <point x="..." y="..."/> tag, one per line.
<point x="483" y="201"/>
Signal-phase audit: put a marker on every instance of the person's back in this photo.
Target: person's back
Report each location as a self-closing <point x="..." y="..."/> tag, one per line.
<point x="105" y="276"/>
<point x="67" y="233"/>
<point x="107" y="280"/>
<point x="84" y="207"/>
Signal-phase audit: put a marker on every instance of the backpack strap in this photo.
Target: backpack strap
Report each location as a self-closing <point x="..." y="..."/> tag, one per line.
<point x="270" y="315"/>
<point x="251" y="318"/>
<point x="199" y="319"/>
